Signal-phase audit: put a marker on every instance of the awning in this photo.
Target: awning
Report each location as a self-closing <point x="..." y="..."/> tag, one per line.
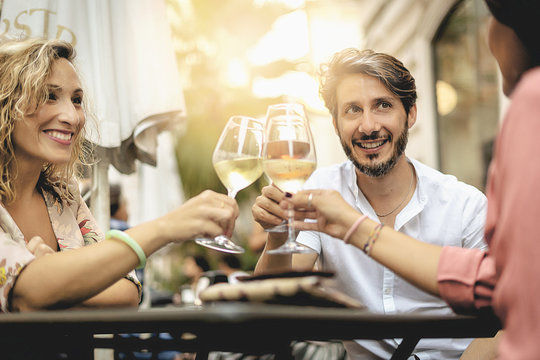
<point x="127" y="61"/>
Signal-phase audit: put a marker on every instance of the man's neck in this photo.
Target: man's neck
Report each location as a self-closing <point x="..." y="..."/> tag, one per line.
<point x="389" y="193"/>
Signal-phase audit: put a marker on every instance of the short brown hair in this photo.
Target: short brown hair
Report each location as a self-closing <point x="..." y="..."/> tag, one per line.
<point x="389" y="70"/>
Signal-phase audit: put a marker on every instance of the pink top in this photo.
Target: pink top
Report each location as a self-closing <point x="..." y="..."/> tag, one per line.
<point x="467" y="277"/>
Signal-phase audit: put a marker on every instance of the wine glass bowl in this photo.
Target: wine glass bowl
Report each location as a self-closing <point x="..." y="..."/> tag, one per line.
<point x="237" y="162"/>
<point x="288" y="159"/>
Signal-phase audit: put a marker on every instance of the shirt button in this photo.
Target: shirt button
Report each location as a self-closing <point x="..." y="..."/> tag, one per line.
<point x="387" y="291"/>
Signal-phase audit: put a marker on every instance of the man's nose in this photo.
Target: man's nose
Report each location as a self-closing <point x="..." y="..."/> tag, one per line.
<point x="369" y="124"/>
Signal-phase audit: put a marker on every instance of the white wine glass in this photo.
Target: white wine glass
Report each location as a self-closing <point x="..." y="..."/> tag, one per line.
<point x="237" y="161"/>
<point x="288" y="159"/>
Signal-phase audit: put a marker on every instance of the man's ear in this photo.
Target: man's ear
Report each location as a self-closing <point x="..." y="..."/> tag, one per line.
<point x="334" y="122"/>
<point x="411" y="118"/>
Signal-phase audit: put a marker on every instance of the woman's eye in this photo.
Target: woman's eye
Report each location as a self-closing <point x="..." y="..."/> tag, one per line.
<point x="51" y="96"/>
<point x="77" y="100"/>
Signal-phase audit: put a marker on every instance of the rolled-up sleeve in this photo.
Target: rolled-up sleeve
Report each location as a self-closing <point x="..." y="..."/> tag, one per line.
<point x="466" y="279"/>
<point x="14" y="257"/>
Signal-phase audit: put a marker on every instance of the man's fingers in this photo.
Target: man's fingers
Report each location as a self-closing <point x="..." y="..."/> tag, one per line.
<point x="272" y="192"/>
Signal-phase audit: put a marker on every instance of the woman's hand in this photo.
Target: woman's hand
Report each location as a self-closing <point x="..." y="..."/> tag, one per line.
<point x="207" y="214"/>
<point x="38" y="248"/>
<point x="333" y="214"/>
<point x="266" y="210"/>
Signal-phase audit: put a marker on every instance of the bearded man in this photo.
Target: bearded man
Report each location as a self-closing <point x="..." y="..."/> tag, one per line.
<point x="372" y="99"/>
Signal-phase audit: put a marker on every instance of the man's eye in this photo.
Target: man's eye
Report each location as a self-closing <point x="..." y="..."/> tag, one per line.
<point x="353" y="109"/>
<point x="385" y="105"/>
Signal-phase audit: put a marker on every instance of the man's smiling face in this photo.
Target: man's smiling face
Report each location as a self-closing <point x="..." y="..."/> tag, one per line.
<point x="372" y="124"/>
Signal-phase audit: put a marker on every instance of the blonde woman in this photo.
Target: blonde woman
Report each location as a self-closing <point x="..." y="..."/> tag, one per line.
<point x="51" y="251"/>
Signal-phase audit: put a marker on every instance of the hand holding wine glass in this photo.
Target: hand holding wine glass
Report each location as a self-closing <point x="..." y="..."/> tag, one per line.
<point x="237" y="161"/>
<point x="288" y="159"/>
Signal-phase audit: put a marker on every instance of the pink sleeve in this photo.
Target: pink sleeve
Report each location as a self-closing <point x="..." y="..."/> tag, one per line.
<point x="466" y="278"/>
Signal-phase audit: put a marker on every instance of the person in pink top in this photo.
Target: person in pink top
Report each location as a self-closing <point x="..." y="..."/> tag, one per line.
<point x="504" y="278"/>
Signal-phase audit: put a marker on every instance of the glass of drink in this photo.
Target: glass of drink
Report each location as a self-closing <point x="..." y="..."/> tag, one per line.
<point x="288" y="159"/>
<point x="237" y="161"/>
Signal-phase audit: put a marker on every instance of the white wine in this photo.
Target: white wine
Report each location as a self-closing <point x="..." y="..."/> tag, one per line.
<point x="239" y="173"/>
<point x="283" y="149"/>
<point x="289" y="174"/>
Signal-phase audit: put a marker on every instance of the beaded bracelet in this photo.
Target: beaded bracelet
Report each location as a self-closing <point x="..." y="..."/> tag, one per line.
<point x="373" y="236"/>
<point x="353" y="228"/>
<point x="128" y="240"/>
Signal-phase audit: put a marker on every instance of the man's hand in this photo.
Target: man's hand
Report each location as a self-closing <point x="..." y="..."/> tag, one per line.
<point x="266" y="210"/>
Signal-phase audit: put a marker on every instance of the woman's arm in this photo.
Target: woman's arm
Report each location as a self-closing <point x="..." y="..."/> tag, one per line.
<point x="67" y="278"/>
<point x="414" y="260"/>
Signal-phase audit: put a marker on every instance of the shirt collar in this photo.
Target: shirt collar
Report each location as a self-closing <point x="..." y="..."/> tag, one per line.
<point x="413" y="207"/>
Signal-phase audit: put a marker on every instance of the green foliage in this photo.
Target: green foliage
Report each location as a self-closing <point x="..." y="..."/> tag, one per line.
<point x="208" y="34"/>
<point x="215" y="32"/>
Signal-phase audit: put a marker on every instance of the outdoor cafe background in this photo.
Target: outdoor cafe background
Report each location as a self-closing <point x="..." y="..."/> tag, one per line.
<point x="165" y="75"/>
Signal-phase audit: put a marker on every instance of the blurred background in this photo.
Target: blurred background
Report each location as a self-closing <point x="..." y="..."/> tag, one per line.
<point x="239" y="56"/>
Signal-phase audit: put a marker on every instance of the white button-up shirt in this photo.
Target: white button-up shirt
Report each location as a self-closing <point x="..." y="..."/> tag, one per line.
<point x="442" y="211"/>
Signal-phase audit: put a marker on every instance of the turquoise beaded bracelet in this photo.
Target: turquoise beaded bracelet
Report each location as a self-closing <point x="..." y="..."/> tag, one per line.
<point x="128" y="240"/>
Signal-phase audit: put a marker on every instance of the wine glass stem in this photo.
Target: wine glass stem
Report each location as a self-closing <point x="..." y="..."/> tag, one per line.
<point x="232" y="193"/>
<point x="290" y="228"/>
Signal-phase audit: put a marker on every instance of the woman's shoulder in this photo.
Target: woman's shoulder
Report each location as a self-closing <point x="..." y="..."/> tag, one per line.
<point x="529" y="84"/>
<point x="523" y="111"/>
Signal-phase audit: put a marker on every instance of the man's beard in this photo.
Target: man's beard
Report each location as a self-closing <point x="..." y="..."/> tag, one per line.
<point x="382" y="168"/>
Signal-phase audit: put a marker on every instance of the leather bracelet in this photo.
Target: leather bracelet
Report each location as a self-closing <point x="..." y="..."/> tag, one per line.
<point x="128" y="240"/>
<point x="373" y="236"/>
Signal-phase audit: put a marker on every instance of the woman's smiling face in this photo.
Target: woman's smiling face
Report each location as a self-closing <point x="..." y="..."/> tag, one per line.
<point x="46" y="135"/>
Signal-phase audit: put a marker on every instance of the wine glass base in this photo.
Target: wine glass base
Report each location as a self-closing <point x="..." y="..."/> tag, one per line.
<point x="221" y="244"/>
<point x="292" y="248"/>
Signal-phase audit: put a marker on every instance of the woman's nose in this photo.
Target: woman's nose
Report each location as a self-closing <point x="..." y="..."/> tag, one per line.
<point x="68" y="113"/>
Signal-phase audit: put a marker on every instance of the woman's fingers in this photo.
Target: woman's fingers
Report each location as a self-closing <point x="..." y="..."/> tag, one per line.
<point x="305" y="199"/>
<point x="223" y="211"/>
<point x="37" y="246"/>
<point x="207" y="214"/>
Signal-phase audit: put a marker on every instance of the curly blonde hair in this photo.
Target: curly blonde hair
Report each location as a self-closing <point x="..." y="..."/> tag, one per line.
<point x="25" y="66"/>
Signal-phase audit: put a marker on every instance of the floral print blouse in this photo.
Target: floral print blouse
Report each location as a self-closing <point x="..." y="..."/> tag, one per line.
<point x="72" y="223"/>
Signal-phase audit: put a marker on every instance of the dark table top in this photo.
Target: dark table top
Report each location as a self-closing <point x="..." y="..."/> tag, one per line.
<point x="242" y="327"/>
